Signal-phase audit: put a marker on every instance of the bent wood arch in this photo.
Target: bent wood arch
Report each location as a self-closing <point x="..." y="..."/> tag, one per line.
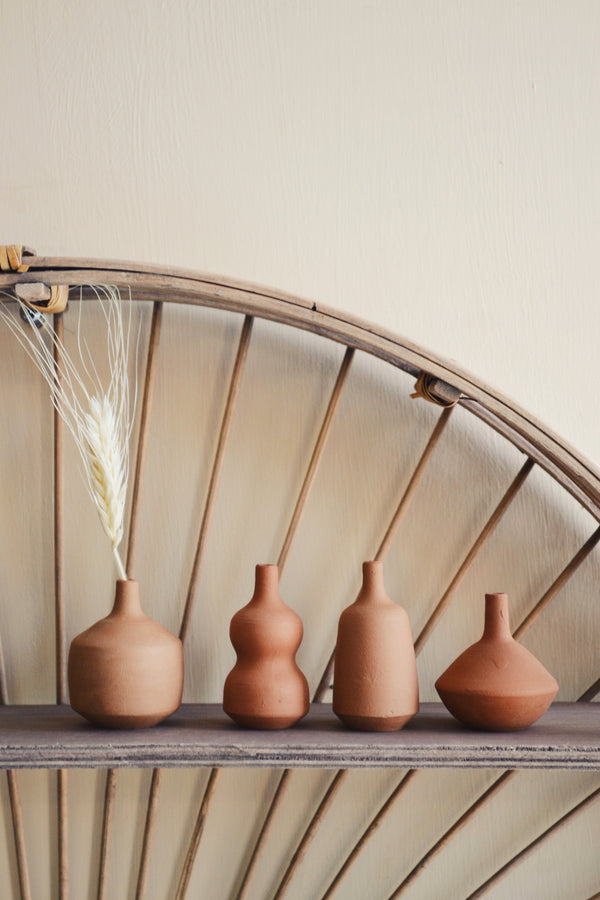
<point x="173" y="285"/>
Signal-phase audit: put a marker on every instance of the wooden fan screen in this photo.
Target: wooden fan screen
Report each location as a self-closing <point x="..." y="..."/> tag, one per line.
<point x="260" y="442"/>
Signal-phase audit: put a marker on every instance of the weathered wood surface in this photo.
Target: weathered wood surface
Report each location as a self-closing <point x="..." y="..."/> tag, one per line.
<point x="202" y="735"/>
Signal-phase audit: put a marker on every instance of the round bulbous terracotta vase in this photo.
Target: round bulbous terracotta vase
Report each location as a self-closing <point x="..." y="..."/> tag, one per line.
<point x="375" y="685"/>
<point x="126" y="671"/>
<point x="265" y="688"/>
<point x="496" y="684"/>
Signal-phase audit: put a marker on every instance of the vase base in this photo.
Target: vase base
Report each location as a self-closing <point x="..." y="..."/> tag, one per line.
<point x="107" y="720"/>
<point x="264" y="723"/>
<point x="496" y="713"/>
<point x="374" y="723"/>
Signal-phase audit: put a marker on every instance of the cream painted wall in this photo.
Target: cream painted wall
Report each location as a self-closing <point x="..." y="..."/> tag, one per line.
<point x="431" y="166"/>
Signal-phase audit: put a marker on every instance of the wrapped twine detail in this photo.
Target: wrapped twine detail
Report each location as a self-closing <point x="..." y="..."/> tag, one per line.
<point x="59" y="295"/>
<point x="434" y="390"/>
<point x="43" y="298"/>
<point x="11" y="258"/>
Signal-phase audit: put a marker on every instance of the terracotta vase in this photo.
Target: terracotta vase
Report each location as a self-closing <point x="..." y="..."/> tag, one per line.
<point x="265" y="688"/>
<point x="375" y="686"/>
<point x="126" y="671"/>
<point x="496" y="684"/>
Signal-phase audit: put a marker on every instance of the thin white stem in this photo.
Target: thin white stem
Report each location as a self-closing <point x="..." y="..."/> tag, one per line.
<point x="120" y="566"/>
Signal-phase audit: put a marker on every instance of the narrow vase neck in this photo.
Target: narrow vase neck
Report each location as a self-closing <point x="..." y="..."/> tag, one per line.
<point x="266" y="582"/>
<point x="373" y="587"/>
<point x="127" y="599"/>
<point x="497" y="623"/>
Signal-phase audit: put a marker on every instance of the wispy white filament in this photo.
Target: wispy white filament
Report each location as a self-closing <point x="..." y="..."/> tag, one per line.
<point x="99" y="416"/>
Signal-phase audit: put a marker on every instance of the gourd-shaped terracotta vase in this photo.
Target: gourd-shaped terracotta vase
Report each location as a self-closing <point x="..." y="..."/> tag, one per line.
<point x="126" y="671"/>
<point x="375" y="686"/>
<point x="496" y="684"/>
<point x="265" y="688"/>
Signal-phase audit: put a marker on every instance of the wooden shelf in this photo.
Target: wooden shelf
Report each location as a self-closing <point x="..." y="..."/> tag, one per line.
<point x="568" y="736"/>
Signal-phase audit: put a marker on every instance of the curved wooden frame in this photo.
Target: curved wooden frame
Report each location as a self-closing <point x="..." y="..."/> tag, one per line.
<point x="577" y="474"/>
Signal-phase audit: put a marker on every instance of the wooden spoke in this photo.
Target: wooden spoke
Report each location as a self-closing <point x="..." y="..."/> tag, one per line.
<point x="533" y="844"/>
<point x="107" y="820"/>
<point x="59" y="612"/>
<point x="451" y="832"/>
<point x="234" y="387"/>
<point x="371" y="828"/>
<point x="147" y="397"/>
<point x="310" y="832"/>
<point x="559" y="583"/>
<point x="316" y="456"/>
<point x="140" y="462"/>
<point x="190" y="858"/>
<point x="19" y="835"/>
<point x="264" y="833"/>
<point x="468" y="561"/>
<point x="148" y="833"/>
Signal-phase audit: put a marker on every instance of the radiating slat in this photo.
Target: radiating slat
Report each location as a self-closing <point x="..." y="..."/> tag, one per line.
<point x="326" y="678"/>
<point x="439" y="845"/>
<point x="188" y="864"/>
<point x="59" y="612"/>
<point x="215" y="473"/>
<point x="264" y="832"/>
<point x="468" y="561"/>
<point x="107" y="823"/>
<point x="315" y="458"/>
<point x="19" y="835"/>
<point x="562" y="579"/>
<point x="481" y="890"/>
<point x="149" y="828"/>
<point x="16" y="811"/>
<point x="140" y="463"/>
<point x="63" y="831"/>
<point x="499" y="782"/>
<point x="300" y="852"/>
<point x="371" y="828"/>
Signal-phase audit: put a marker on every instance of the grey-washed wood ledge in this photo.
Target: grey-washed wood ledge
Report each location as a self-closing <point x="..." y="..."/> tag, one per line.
<point x="151" y="283"/>
<point x="567" y="736"/>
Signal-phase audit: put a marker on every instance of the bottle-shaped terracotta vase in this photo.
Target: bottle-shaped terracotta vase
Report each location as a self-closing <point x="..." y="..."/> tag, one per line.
<point x="375" y="685"/>
<point x="496" y="684"/>
<point x="126" y="671"/>
<point x="265" y="688"/>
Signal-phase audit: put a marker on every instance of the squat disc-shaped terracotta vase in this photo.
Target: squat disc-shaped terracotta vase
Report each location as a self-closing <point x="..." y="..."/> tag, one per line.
<point x="265" y="688"/>
<point x="496" y="684"/>
<point x="126" y="671"/>
<point x="375" y="685"/>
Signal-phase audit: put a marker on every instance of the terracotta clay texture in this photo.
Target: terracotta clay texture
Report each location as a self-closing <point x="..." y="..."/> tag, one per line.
<point x="496" y="684"/>
<point x="265" y="688"/>
<point x="375" y="685"/>
<point x="126" y="671"/>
